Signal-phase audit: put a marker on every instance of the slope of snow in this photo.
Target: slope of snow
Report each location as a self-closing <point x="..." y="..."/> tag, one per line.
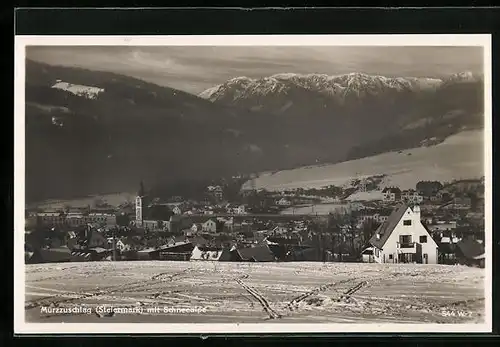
<point x="89" y="92"/>
<point x="366" y="196"/>
<point x="458" y="157"/>
<point x="112" y="199"/>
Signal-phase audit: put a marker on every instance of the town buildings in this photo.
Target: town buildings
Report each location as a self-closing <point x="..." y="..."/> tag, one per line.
<point x="391" y="194"/>
<point x="62" y="220"/>
<point x="216" y="192"/>
<point x="411" y="196"/>
<point x="410" y="237"/>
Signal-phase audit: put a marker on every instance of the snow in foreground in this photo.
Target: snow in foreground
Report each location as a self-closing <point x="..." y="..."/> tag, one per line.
<point x="254" y="292"/>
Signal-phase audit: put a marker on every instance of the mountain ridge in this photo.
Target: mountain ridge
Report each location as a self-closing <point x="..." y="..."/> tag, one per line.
<point x="331" y="85"/>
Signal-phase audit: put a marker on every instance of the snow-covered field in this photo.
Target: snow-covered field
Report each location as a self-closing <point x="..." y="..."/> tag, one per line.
<point x="458" y="157"/>
<point x="255" y="292"/>
<point x="319" y="209"/>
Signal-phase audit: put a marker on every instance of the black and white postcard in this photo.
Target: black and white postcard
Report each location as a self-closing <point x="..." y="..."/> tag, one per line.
<point x="216" y="184"/>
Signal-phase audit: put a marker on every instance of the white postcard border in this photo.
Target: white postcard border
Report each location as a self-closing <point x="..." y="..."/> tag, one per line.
<point x="21" y="327"/>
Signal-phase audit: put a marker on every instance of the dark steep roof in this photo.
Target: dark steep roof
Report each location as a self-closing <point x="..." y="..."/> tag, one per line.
<point x="386" y="228"/>
<point x="307" y="254"/>
<point x="257" y="253"/>
<point x="446" y="248"/>
<point x="392" y="190"/>
<point x="55" y="255"/>
<point x="470" y="248"/>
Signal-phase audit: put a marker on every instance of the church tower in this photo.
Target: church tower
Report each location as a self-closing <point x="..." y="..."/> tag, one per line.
<point x="138" y="206"/>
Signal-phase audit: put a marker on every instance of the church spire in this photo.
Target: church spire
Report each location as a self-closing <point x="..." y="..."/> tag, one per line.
<point x="141" y="189"/>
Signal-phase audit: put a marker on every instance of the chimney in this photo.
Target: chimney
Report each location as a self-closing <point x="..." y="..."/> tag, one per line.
<point x="416" y="210"/>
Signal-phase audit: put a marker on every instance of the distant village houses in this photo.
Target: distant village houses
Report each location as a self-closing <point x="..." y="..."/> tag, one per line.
<point x="411" y="196"/>
<point x="283" y="202"/>
<point x="391" y="194"/>
<point x="216" y="192"/>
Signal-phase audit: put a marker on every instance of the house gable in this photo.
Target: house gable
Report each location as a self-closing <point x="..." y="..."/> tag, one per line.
<point x="386" y="228"/>
<point x="404" y="222"/>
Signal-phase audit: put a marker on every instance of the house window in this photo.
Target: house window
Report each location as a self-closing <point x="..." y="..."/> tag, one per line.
<point x="405" y="239"/>
<point x="423" y="239"/>
<point x="390" y="256"/>
<point x="407" y="222"/>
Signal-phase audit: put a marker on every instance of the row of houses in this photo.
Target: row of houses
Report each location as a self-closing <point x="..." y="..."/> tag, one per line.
<point x="266" y="251"/>
<point x="71" y="219"/>
<point x="456" y="200"/>
<point x="402" y="238"/>
<point x="394" y="194"/>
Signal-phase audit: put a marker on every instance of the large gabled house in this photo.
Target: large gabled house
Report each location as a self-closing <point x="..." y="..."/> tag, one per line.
<point x="404" y="239"/>
<point x="391" y="194"/>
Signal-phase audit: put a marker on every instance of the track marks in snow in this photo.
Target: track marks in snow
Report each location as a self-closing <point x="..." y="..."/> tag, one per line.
<point x="261" y="299"/>
<point x="295" y="301"/>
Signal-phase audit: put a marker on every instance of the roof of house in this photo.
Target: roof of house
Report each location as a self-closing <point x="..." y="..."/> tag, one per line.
<point x="55" y="254"/>
<point x="179" y="247"/>
<point x="283" y="241"/>
<point x="386" y="228"/>
<point x="257" y="253"/>
<point x="147" y="250"/>
<point x="209" y="248"/>
<point x="367" y="251"/>
<point x="471" y="248"/>
<point x="130" y="241"/>
<point x="98" y="249"/>
<point x="306" y="254"/>
<point x="28" y="255"/>
<point x="446" y="247"/>
<point x="391" y="189"/>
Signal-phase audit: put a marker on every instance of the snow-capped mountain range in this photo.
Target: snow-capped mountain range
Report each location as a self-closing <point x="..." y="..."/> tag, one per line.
<point x="338" y="87"/>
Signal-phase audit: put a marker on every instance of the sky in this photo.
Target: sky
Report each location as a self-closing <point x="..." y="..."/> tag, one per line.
<point x="196" y="68"/>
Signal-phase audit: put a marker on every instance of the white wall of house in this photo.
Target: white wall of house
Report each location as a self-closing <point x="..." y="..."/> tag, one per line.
<point x="416" y="229"/>
<point x="198" y="254"/>
<point x="210" y="226"/>
<point x="283" y="202"/>
<point x="390" y="197"/>
<point x="367" y="258"/>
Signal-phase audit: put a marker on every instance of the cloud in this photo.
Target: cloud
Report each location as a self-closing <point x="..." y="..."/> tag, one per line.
<point x="195" y="68"/>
